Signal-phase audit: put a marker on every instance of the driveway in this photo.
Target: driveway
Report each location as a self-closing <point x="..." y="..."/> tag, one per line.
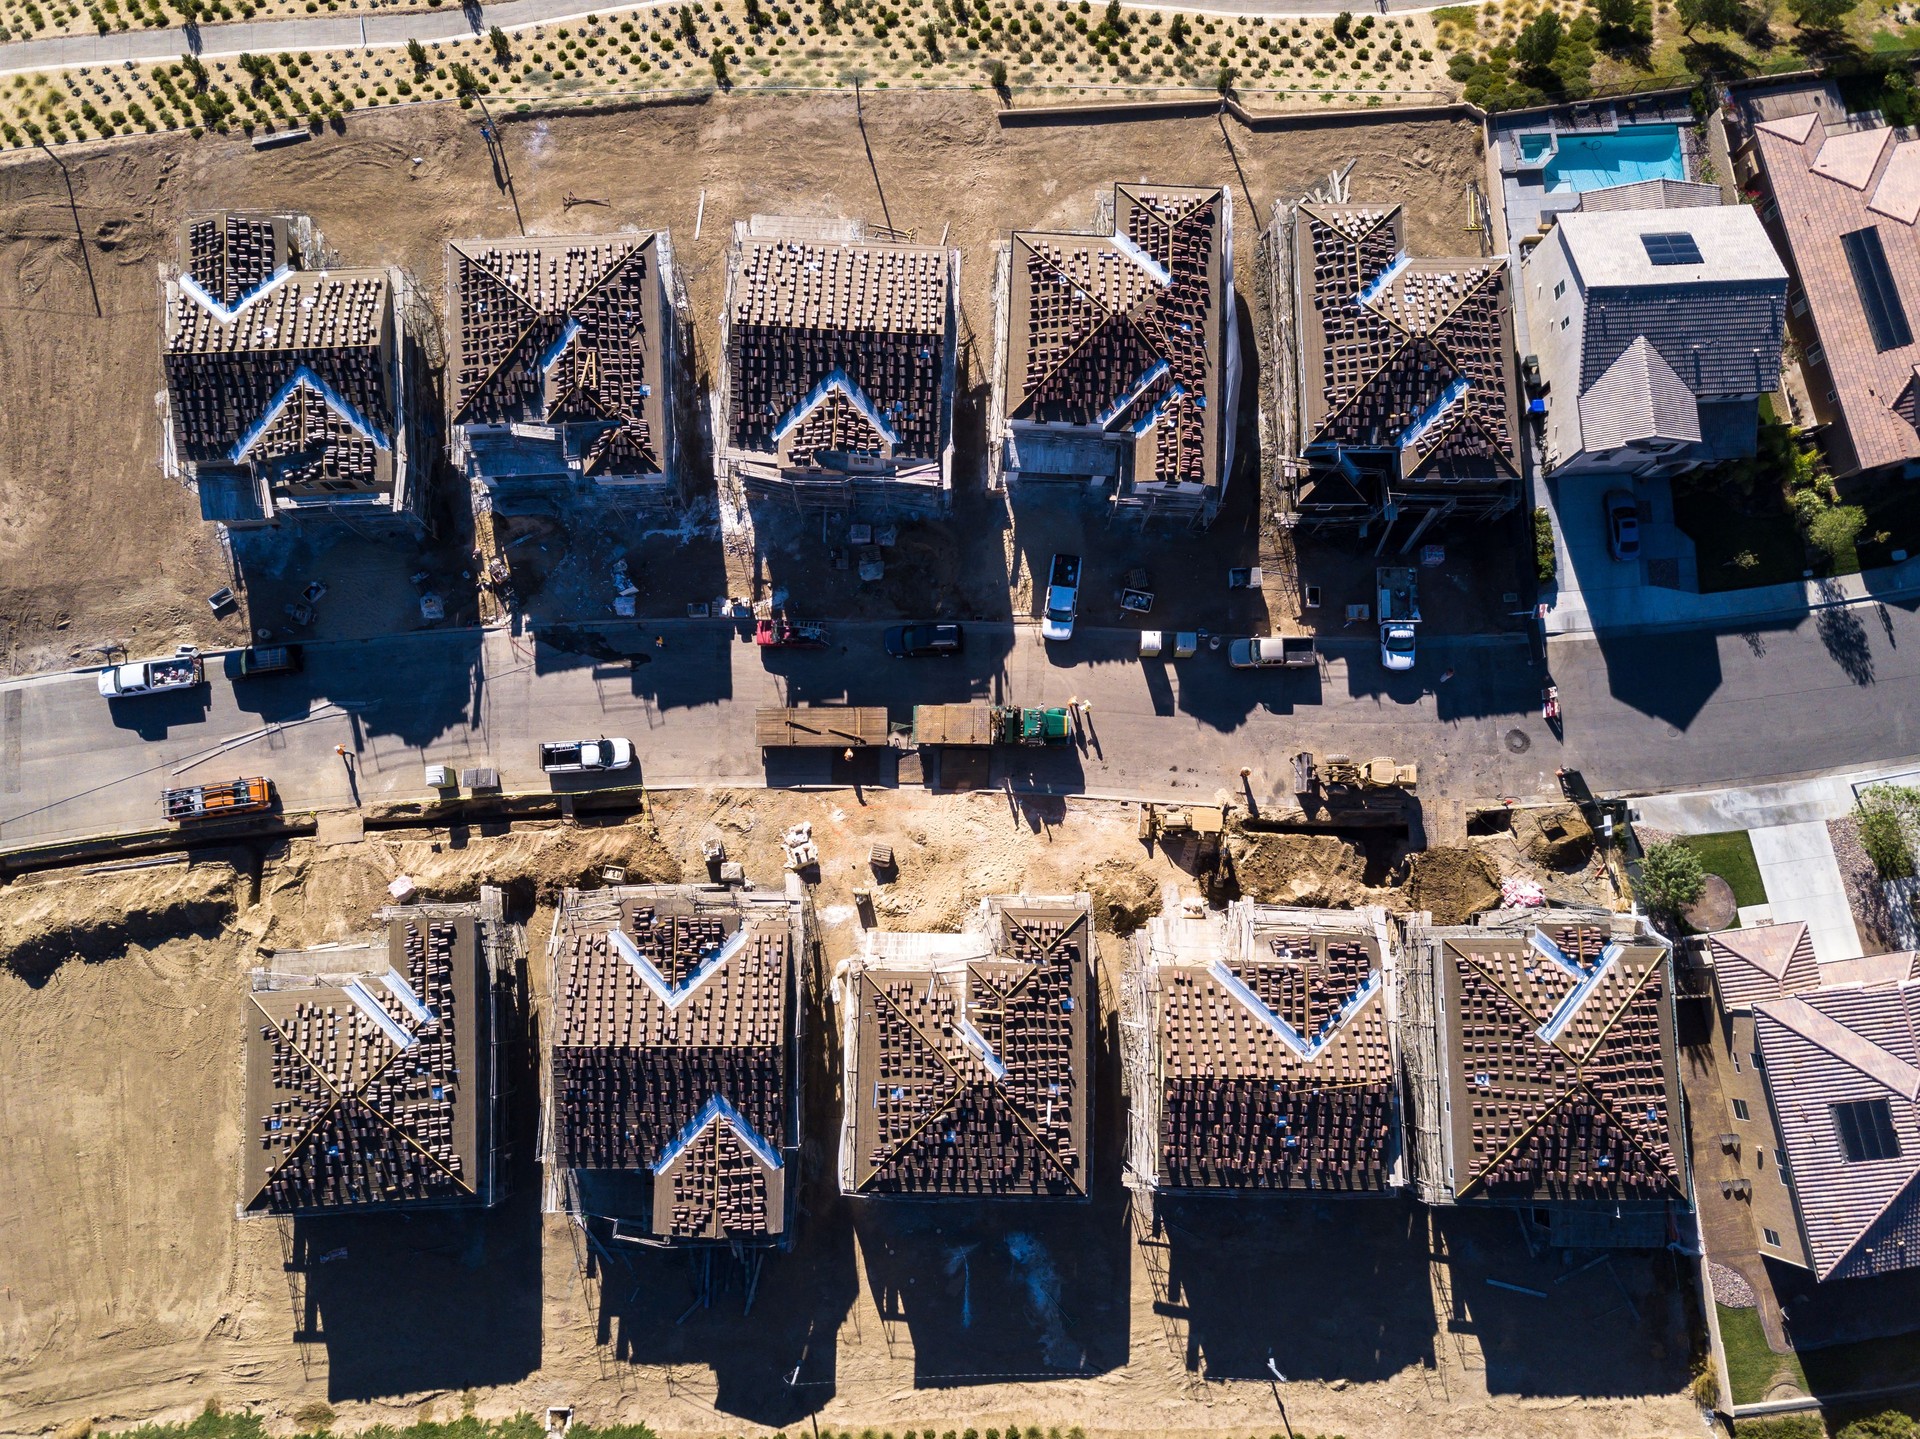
<point x="1803" y="883"/>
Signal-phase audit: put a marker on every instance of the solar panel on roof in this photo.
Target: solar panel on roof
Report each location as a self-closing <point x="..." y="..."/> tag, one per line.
<point x="1886" y="316"/>
<point x="1672" y="249"/>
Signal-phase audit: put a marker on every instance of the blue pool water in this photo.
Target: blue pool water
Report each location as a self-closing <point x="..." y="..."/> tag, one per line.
<point x="1533" y="146"/>
<point x="1633" y="152"/>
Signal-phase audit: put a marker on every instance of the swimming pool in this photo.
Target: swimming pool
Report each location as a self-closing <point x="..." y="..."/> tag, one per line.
<point x="1620" y="157"/>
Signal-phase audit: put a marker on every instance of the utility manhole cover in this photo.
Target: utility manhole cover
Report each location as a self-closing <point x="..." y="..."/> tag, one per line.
<point x="1518" y="741"/>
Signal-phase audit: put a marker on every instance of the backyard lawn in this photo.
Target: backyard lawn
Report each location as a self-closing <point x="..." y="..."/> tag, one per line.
<point x="1753" y="1368"/>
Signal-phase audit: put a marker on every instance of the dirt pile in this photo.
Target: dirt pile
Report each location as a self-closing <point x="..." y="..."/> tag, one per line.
<point x="1319" y="870"/>
<point x="1124" y="896"/>
<point x="322" y="893"/>
<point x="1451" y="884"/>
<point x="1558" y="837"/>
<point x="44" y="924"/>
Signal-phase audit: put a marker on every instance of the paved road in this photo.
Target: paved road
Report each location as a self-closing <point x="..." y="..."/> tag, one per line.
<point x="1681" y="710"/>
<point x="72" y="764"/>
<point x="452" y="22"/>
<point x="1643" y="713"/>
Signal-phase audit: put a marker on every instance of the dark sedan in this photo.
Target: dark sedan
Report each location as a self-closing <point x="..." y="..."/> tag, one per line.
<point x="918" y="642"/>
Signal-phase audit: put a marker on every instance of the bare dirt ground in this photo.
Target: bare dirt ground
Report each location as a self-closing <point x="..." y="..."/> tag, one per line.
<point x="96" y="545"/>
<point x="132" y="1292"/>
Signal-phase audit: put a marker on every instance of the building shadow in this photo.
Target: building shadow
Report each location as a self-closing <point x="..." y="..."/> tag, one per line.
<point x="155" y="716"/>
<point x="440" y="701"/>
<point x="1667" y="676"/>
<point x="984" y="1292"/>
<point x="1328" y="1287"/>
<point x="680" y="667"/>
<point x="772" y="1364"/>
<point x="1622" y="1313"/>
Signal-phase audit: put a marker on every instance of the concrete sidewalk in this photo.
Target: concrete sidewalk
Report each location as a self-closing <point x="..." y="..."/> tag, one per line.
<point x="1626" y="608"/>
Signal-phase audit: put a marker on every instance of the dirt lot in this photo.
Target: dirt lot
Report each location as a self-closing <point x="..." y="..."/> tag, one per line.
<point x="97" y="546"/>
<point x="132" y="1291"/>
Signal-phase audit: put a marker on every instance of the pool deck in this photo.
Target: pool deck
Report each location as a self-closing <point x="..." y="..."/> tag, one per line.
<point x="1523" y="203"/>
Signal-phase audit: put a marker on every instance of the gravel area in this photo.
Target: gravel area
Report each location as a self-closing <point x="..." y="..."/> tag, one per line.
<point x="1866" y="892"/>
<point x="1730" y="1287"/>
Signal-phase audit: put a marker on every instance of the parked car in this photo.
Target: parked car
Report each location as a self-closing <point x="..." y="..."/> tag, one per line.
<point x="929" y="641"/>
<point x="1623" y="525"/>
<point x="182" y="670"/>
<point x="578" y="756"/>
<point x="1063" y="598"/>
<point x="259" y="660"/>
<point x="1273" y="652"/>
<point x="1396" y="646"/>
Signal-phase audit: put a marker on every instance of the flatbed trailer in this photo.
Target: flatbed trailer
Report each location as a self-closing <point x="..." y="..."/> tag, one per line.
<point x="216" y="801"/>
<point x="820" y="727"/>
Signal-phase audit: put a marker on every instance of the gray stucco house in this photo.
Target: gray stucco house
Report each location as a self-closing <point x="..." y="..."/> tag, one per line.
<point x="1656" y="333"/>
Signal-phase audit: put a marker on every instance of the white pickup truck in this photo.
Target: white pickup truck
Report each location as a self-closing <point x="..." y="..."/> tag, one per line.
<point x="181" y="671"/>
<point x="1063" y="598"/>
<point x="579" y="756"/>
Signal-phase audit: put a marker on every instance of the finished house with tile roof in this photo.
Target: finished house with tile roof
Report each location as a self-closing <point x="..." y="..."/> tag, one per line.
<point x="1842" y="198"/>
<point x="1542" y="1069"/>
<point x="674" y="1083"/>
<point x="1737" y="1150"/>
<point x="286" y="384"/>
<point x="838" y="364"/>
<point x="372" y="1068"/>
<point x="1260" y="1053"/>
<point x="1656" y="331"/>
<point x="1819" y="1066"/>
<point x="1118" y="364"/>
<point x="968" y="1057"/>
<point x="563" y="361"/>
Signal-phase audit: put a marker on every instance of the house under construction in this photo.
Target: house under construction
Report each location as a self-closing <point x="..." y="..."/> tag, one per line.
<point x="287" y="381"/>
<point x="1260" y="1052"/>
<point x="372" y="1067"/>
<point x="1117" y="362"/>
<point x="1407" y="410"/>
<point x="672" y="1092"/>
<point x="565" y="362"/>
<point x="1541" y="1071"/>
<point x="838" y="363"/>
<point x="968" y="1057"/>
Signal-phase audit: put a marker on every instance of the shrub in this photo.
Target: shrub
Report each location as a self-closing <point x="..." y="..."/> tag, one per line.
<point x="1833" y="531"/>
<point x="1882" y="815"/>
<point x="1543" y="559"/>
<point x="1539" y="42"/>
<point x="1891" y="1424"/>
<point x="1342" y="26"/>
<point x="1783" y="1426"/>
<point x="1671" y="877"/>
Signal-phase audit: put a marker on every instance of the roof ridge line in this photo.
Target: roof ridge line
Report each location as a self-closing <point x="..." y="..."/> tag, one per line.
<point x="1521" y="1138"/>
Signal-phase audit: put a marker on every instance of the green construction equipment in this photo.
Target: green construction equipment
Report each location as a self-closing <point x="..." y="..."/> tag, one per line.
<point x="986" y="724"/>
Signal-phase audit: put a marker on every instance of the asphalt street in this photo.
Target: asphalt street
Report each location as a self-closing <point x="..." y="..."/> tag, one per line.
<point x="72" y="763"/>
<point x="1642" y="713"/>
